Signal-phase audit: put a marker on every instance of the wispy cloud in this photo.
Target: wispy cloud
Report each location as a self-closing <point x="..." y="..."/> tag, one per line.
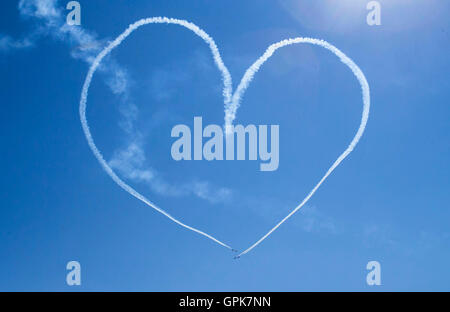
<point x="378" y="235"/>
<point x="7" y="43"/>
<point x="313" y="220"/>
<point x="40" y="8"/>
<point x="209" y="192"/>
<point x="130" y="160"/>
<point x="49" y="20"/>
<point x="131" y="163"/>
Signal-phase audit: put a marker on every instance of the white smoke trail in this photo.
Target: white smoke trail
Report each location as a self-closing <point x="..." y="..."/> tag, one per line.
<point x="232" y="102"/>
<point x="84" y="94"/>
<point x="250" y="73"/>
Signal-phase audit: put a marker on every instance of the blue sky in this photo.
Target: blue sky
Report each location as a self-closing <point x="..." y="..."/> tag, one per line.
<point x="388" y="201"/>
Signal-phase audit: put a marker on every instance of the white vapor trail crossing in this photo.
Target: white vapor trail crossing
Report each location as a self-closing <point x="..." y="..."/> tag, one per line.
<point x="231" y="101"/>
<point x="248" y="76"/>
<point x="84" y="94"/>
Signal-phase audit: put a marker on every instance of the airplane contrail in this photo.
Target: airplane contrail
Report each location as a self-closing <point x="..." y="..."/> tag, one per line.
<point x="231" y="102"/>
<point x="84" y="94"/>
<point x="247" y="78"/>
